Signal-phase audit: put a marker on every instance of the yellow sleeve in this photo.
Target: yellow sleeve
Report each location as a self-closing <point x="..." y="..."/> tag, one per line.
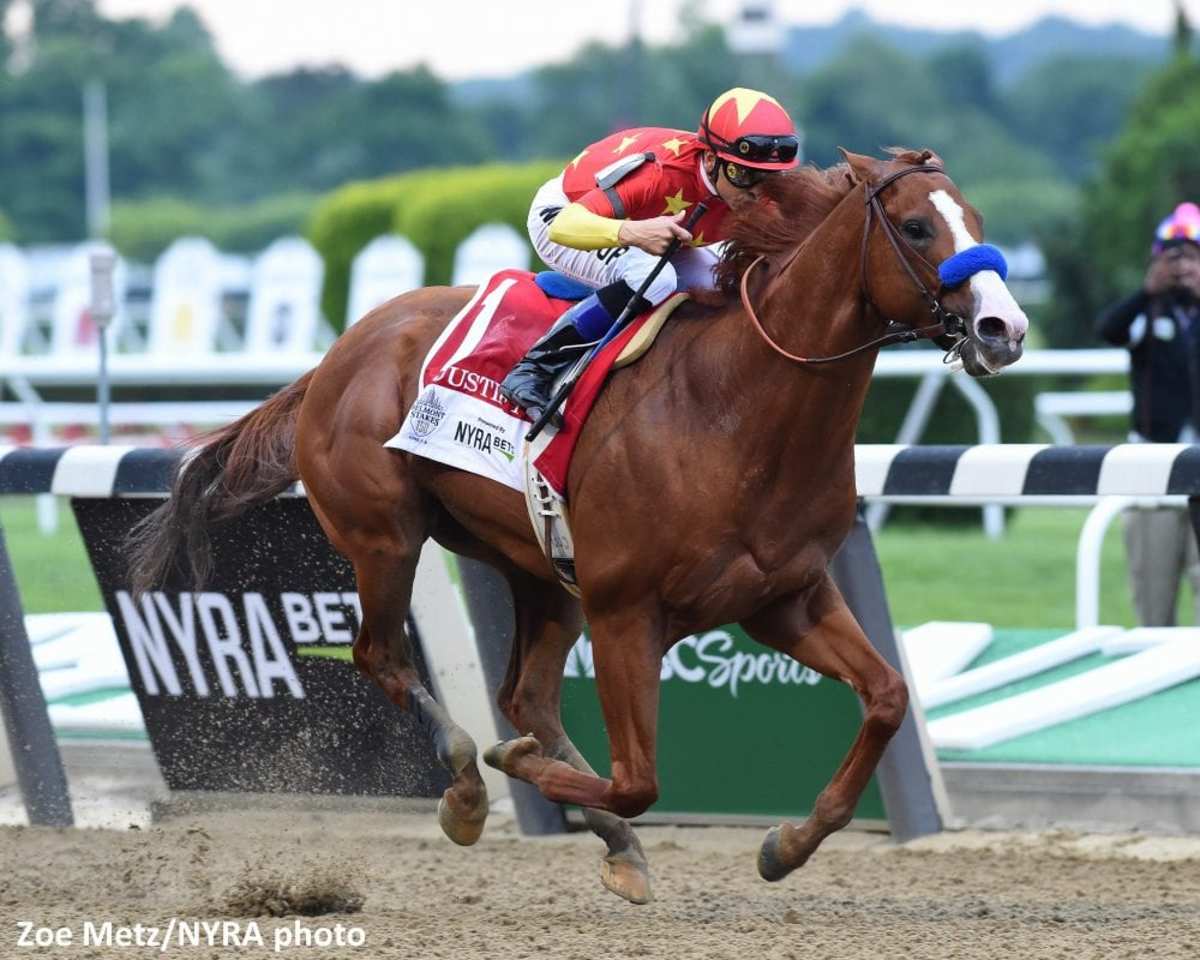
<point x="577" y="227"/>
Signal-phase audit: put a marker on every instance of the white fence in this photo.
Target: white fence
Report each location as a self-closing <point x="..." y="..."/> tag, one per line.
<point x="199" y="316"/>
<point x="196" y="301"/>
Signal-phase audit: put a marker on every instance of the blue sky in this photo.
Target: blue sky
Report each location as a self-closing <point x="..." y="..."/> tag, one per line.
<point x="463" y="38"/>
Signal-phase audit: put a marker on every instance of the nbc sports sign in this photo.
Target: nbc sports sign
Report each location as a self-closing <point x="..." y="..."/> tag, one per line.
<point x="775" y="730"/>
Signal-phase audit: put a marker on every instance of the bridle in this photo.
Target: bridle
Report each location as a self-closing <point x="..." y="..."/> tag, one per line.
<point x="947" y="324"/>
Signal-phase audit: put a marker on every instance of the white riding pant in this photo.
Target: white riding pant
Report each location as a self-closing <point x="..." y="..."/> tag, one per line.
<point x="690" y="268"/>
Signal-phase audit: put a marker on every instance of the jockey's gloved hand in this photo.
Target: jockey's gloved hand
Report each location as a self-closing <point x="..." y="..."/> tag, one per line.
<point x="654" y="235"/>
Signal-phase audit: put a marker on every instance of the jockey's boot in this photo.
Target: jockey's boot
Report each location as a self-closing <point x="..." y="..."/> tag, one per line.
<point x="529" y="384"/>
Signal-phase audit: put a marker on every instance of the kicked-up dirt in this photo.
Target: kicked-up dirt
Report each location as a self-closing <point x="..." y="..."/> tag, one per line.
<point x="410" y="893"/>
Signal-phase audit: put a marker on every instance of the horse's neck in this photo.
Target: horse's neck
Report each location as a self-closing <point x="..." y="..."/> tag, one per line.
<point x="804" y="411"/>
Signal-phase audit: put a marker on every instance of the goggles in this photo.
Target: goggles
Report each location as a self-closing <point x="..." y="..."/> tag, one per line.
<point x="753" y="147"/>
<point x="742" y="177"/>
<point x="762" y="148"/>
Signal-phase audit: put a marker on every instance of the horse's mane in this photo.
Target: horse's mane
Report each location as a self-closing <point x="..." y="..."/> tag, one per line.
<point x="797" y="202"/>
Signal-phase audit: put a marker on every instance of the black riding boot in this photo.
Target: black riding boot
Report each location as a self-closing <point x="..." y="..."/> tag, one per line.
<point x="530" y="382"/>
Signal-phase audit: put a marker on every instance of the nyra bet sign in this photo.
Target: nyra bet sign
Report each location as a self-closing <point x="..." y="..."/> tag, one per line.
<point x="205" y="629"/>
<point x="248" y="684"/>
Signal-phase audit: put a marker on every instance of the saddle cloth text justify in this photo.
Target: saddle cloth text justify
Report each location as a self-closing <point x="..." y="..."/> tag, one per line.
<point x="459" y="417"/>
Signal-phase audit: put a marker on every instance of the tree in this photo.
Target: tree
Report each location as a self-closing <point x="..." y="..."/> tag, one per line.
<point x="166" y="135"/>
<point x="183" y="128"/>
<point x="1071" y="107"/>
<point x="1151" y="167"/>
<point x="316" y="114"/>
<point x="965" y="76"/>
<point x="1183" y="31"/>
<point x="873" y="96"/>
<point x="869" y="97"/>
<point x="64" y="18"/>
<point x="573" y="102"/>
<point x="406" y="120"/>
<point x="5" y="42"/>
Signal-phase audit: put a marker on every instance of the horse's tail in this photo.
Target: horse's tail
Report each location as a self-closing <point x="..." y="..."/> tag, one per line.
<point x="232" y="468"/>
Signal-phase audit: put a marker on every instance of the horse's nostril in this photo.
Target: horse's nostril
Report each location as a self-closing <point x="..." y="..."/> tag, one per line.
<point x="991" y="328"/>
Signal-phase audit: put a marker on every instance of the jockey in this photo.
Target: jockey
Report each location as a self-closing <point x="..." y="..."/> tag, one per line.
<point x="611" y="214"/>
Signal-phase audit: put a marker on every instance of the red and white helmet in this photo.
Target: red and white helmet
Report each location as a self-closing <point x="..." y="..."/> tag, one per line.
<point x="751" y="129"/>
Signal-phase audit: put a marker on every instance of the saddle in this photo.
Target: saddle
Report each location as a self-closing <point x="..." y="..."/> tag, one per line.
<point x="459" y="417"/>
<point x="558" y="286"/>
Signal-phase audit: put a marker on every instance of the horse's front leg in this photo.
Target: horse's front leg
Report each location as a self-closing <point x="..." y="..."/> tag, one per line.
<point x="627" y="653"/>
<point x="817" y="629"/>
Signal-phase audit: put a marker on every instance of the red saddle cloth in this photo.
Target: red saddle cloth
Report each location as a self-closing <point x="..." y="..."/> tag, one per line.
<point x="476" y="351"/>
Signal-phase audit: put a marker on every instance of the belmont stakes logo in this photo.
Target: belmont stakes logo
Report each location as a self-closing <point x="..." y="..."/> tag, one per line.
<point x="426" y="414"/>
<point x="710" y="658"/>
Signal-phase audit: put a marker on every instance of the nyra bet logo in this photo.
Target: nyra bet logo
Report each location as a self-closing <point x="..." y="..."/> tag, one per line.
<point x="486" y="437"/>
<point x="241" y="648"/>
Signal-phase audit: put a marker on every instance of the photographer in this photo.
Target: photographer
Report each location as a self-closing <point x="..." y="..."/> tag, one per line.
<point x="1160" y="325"/>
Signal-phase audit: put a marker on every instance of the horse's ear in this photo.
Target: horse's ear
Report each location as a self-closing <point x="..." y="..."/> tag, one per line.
<point x="863" y="169"/>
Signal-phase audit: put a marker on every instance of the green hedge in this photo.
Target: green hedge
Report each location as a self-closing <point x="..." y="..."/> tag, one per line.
<point x="440" y="217"/>
<point x="142" y="229"/>
<point x="435" y="209"/>
<point x="345" y="221"/>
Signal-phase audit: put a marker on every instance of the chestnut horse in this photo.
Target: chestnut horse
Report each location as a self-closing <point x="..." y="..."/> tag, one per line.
<point x="712" y="484"/>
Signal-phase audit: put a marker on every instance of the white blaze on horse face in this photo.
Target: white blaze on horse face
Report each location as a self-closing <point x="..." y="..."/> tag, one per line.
<point x="992" y="298"/>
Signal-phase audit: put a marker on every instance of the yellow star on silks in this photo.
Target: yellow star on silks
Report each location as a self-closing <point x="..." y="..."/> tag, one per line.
<point x="746" y="101"/>
<point x="676" y="203"/>
<point x="625" y="144"/>
<point x="697" y="240"/>
<point x="674" y="145"/>
<point x="575" y="162"/>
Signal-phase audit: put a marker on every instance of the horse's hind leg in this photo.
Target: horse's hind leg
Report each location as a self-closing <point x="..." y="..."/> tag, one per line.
<point x="818" y="630"/>
<point x="384" y="567"/>
<point x="383" y="651"/>
<point x="548" y="622"/>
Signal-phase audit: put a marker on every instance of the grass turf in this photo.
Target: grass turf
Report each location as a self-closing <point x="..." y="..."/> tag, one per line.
<point x="53" y="572"/>
<point x="1025" y="579"/>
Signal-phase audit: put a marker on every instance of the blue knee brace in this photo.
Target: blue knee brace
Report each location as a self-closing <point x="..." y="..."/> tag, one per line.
<point x="590" y="318"/>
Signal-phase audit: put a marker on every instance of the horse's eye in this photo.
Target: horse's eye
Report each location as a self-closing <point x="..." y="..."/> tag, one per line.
<point x="914" y="230"/>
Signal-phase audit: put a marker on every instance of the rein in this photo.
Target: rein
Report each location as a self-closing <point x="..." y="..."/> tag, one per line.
<point x="947" y="323"/>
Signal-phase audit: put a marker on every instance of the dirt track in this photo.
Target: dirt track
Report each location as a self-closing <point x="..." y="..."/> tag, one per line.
<point x="968" y="895"/>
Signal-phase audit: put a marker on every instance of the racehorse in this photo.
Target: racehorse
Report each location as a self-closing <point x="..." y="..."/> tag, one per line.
<point x="712" y="483"/>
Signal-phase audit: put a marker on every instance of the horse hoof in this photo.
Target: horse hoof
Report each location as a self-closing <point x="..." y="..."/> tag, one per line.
<point x="504" y="755"/>
<point x="629" y="880"/>
<point x="772" y="865"/>
<point x="463" y="823"/>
